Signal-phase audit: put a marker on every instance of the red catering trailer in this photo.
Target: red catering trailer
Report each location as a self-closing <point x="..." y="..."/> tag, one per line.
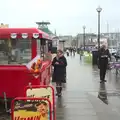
<point x="18" y="46"/>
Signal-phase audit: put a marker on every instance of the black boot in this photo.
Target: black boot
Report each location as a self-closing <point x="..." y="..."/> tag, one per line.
<point x="60" y="92"/>
<point x="105" y="80"/>
<point x="57" y="90"/>
<point x="101" y="80"/>
<point x="60" y="89"/>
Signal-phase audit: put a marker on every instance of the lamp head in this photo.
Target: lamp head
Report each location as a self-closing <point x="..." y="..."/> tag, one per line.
<point x="99" y="9"/>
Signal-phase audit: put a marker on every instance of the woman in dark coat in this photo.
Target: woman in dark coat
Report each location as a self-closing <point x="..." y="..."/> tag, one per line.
<point x="59" y="63"/>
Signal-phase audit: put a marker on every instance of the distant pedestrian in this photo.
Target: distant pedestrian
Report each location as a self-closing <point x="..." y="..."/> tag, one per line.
<point x="67" y="52"/>
<point x="80" y="52"/>
<point x="59" y="63"/>
<point x="74" y="51"/>
<point x="71" y="51"/>
<point x="103" y="56"/>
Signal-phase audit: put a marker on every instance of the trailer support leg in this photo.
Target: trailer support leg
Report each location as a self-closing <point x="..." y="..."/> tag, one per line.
<point x="5" y="102"/>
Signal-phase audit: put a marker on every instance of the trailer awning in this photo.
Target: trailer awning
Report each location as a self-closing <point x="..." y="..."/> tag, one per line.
<point x="6" y="33"/>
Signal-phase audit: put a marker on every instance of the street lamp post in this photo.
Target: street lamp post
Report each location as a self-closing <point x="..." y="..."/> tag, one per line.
<point x="77" y="42"/>
<point x="84" y="36"/>
<point x="99" y="9"/>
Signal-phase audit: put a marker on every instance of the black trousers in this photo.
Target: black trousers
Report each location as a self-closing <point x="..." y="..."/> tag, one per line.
<point x="103" y="69"/>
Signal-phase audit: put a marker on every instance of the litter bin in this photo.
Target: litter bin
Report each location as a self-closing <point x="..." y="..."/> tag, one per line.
<point x="94" y="57"/>
<point x="78" y="50"/>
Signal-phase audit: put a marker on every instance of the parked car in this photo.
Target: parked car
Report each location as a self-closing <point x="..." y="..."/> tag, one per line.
<point x="117" y="54"/>
<point x="112" y="51"/>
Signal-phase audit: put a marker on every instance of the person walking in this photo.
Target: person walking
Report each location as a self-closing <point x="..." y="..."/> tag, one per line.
<point x="103" y="55"/>
<point x="74" y="52"/>
<point x="71" y="51"/>
<point x="59" y="63"/>
<point x="81" y="52"/>
<point x="67" y="52"/>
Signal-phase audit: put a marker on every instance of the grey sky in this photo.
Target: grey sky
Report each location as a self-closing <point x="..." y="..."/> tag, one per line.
<point x="66" y="16"/>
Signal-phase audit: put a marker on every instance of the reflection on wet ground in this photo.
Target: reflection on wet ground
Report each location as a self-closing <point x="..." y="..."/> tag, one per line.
<point x="85" y="94"/>
<point x="75" y="105"/>
<point x="83" y="76"/>
<point x="102" y="94"/>
<point x="92" y="83"/>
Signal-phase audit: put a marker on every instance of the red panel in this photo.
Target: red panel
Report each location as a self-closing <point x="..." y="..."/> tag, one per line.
<point x="14" y="79"/>
<point x="34" y="48"/>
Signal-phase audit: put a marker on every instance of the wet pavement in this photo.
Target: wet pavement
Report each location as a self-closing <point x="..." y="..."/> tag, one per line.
<point x="85" y="77"/>
<point x="85" y="98"/>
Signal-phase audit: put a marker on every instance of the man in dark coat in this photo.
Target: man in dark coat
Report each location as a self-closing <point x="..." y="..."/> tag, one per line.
<point x="103" y="56"/>
<point x="59" y="63"/>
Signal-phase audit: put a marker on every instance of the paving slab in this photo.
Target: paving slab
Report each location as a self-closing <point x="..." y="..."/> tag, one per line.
<point x="74" y="105"/>
<point x="103" y="111"/>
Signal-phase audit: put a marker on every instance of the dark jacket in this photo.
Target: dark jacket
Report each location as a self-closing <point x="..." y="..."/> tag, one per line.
<point x="103" y="56"/>
<point x="59" y="69"/>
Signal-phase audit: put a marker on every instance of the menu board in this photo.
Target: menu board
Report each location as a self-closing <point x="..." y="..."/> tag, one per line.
<point x="42" y="92"/>
<point x="31" y="109"/>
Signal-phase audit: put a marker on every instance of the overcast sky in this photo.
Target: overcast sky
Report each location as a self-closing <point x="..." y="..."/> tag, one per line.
<point x="66" y="16"/>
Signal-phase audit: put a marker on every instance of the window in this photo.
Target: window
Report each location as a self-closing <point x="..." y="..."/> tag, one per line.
<point x="15" y="51"/>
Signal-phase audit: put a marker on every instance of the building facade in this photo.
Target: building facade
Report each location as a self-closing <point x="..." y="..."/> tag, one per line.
<point x="67" y="41"/>
<point x="89" y="37"/>
<point x="113" y="39"/>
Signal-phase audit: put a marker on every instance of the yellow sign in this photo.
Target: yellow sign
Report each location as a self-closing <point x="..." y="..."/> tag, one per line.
<point x="4" y="25"/>
<point x="41" y="92"/>
<point x="24" y="110"/>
